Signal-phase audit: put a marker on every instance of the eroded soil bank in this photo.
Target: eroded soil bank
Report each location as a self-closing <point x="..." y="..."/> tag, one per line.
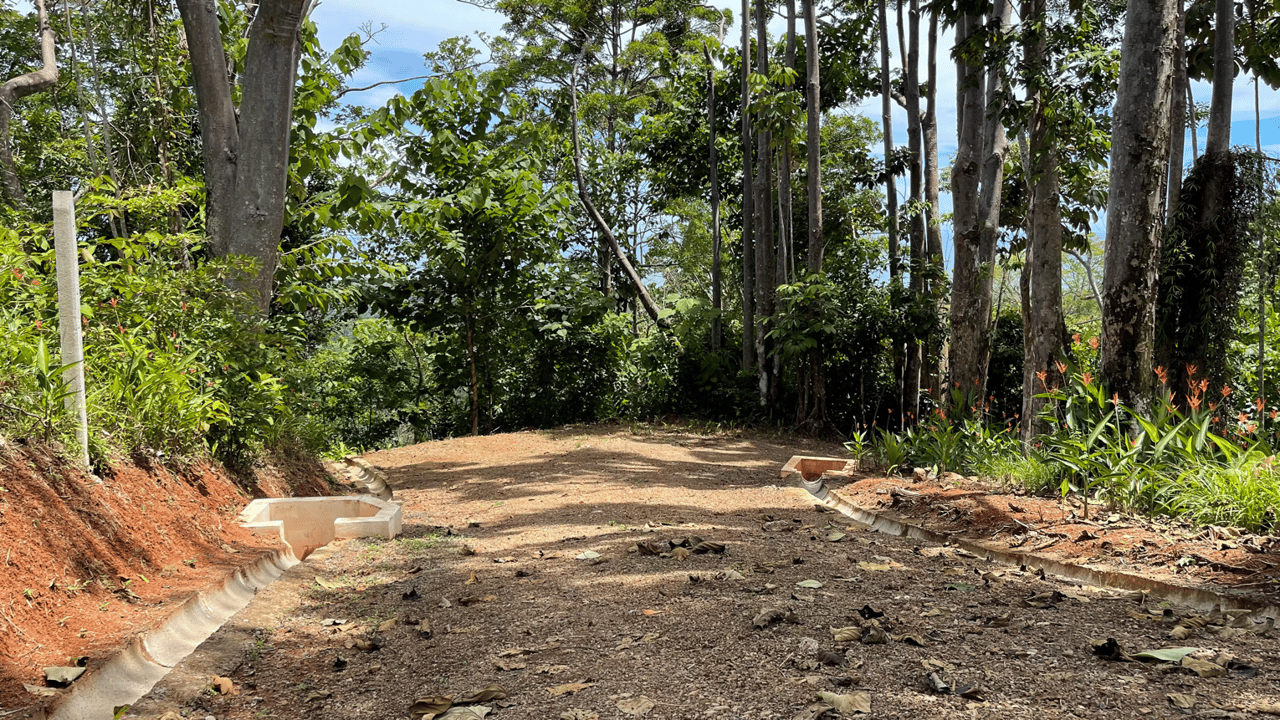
<point x="544" y="575"/>
<point x="88" y="565"/>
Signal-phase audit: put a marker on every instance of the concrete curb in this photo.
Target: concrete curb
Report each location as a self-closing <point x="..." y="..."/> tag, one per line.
<point x="798" y="467"/>
<point x="359" y="470"/>
<point x="132" y="672"/>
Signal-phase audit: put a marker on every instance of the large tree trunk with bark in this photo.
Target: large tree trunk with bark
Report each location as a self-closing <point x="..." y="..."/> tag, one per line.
<point x="246" y="162"/>
<point x="1139" y="156"/>
<point x="1042" y="272"/>
<point x="17" y="88"/>
<point x="969" y="314"/>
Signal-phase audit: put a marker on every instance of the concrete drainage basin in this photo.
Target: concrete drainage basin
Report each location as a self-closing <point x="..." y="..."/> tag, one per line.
<point x="305" y="524"/>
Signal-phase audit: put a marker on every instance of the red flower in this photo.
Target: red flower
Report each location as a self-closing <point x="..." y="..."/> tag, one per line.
<point x="1093" y="343"/>
<point x="1075" y="339"/>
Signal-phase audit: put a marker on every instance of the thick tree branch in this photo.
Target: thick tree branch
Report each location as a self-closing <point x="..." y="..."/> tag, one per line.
<point x="650" y="307"/>
<point x="18" y="88"/>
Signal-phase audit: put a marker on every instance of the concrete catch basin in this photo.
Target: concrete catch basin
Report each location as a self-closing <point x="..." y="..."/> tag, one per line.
<point x="305" y="524"/>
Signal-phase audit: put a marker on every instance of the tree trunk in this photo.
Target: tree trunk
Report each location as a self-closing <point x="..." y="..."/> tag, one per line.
<point x="650" y="307"/>
<point x="475" y="385"/>
<point x="813" y="260"/>
<point x="969" y="315"/>
<point x="1218" y="138"/>
<point x="1042" y="272"/>
<point x="17" y="88"/>
<point x="786" y="231"/>
<point x="246" y="162"/>
<point x="1139" y="153"/>
<point x="765" y="233"/>
<point x="995" y="149"/>
<point x="1178" y="117"/>
<point x="717" y="303"/>
<point x="813" y="414"/>
<point x="886" y="122"/>
<point x="748" y="205"/>
<point x="919" y="219"/>
<point x="934" y="281"/>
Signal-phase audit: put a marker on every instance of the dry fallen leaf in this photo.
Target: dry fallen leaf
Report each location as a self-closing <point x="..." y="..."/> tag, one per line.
<point x="577" y="714"/>
<point x="650" y="612"/>
<point x="636" y="706"/>
<point x="846" y="634"/>
<point x="856" y="702"/>
<point x="568" y="689"/>
<point x="507" y="664"/>
<point x="428" y="708"/>
<point x="490" y="692"/>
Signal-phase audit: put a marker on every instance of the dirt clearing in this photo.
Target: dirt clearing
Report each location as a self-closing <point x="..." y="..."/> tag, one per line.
<point x="600" y="573"/>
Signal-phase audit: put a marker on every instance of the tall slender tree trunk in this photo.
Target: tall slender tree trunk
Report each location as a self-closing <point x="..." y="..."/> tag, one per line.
<point x="969" y="315"/>
<point x="1139" y="155"/>
<point x="748" y="204"/>
<point x="995" y="150"/>
<point x="1263" y="278"/>
<point x="935" y="280"/>
<point x="786" y="231"/>
<point x="765" y="230"/>
<point x="17" y="88"/>
<point x="1218" y="139"/>
<point x="637" y="284"/>
<point x="1178" y="116"/>
<point x="717" y="302"/>
<point x="886" y="123"/>
<point x="919" y="218"/>
<point x="814" y="413"/>
<point x="1042" y="271"/>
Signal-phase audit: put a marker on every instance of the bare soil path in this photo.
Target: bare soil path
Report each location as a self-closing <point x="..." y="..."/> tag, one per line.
<point x="603" y="573"/>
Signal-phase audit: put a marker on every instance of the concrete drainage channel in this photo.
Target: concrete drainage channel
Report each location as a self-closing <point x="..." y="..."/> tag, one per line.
<point x="810" y="473"/>
<point x="303" y="524"/>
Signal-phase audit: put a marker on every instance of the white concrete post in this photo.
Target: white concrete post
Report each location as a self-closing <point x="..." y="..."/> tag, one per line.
<point x="64" y="238"/>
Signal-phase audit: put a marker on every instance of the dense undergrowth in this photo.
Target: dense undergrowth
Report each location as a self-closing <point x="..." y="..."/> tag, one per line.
<point x="1197" y="454"/>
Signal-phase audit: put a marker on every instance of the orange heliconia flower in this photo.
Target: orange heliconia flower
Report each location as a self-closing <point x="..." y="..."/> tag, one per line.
<point x="1250" y="427"/>
<point x="1226" y="390"/>
<point x="1062" y="367"/>
<point x="1194" y="401"/>
<point x="1093" y="343"/>
<point x="1075" y="339"/>
<point x="1160" y="373"/>
<point x="1242" y="418"/>
<point x="1087" y="378"/>
<point x="1041" y="377"/>
<point x="1260" y="403"/>
<point x="1191" y="370"/>
<point x="1115" y="399"/>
